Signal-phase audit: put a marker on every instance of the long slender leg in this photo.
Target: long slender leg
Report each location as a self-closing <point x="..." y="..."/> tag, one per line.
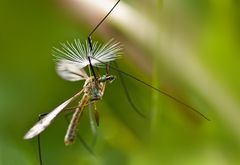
<point x="90" y="40"/>
<point x="39" y="139"/>
<point x="91" y="49"/>
<point x="127" y="93"/>
<point x="156" y="89"/>
<point x="40" y="116"/>
<point x="103" y="19"/>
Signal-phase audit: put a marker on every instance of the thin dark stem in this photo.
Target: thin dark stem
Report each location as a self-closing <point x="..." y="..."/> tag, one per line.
<point x="156" y="89"/>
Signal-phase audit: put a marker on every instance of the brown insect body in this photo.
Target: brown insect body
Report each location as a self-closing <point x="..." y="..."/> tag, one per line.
<point x="93" y="90"/>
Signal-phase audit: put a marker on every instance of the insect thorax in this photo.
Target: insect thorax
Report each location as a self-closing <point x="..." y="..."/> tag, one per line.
<point x="94" y="88"/>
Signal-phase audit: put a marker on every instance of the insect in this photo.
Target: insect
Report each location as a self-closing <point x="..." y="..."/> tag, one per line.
<point x="71" y="59"/>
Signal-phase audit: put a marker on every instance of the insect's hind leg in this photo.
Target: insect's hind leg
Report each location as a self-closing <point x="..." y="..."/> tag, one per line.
<point x="134" y="107"/>
<point x="40" y="116"/>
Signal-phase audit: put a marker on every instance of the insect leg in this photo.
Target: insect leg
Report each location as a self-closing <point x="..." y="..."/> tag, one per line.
<point x="127" y="93"/>
<point x="39" y="139"/>
<point x="90" y="40"/>
<point x="89" y="36"/>
<point x="40" y="116"/>
<point x="89" y="60"/>
<point x="156" y="89"/>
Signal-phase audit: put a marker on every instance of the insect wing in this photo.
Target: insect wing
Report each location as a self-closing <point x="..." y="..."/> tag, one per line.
<point x="46" y="121"/>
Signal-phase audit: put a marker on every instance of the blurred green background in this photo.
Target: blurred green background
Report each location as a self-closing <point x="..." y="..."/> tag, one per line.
<point x="188" y="48"/>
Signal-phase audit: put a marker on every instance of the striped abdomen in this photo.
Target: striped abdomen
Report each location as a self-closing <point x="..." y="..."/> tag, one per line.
<point x="72" y="128"/>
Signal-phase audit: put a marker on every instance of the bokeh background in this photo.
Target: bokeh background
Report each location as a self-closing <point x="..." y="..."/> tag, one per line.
<point x="188" y="48"/>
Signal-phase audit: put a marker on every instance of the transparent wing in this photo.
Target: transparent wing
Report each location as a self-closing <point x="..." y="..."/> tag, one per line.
<point x="70" y="70"/>
<point x="77" y="53"/>
<point x="46" y="121"/>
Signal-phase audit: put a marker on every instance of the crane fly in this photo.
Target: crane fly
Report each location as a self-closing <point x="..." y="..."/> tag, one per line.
<point x="71" y="60"/>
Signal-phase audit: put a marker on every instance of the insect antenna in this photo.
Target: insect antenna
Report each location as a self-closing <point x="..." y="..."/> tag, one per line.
<point x="156" y="89"/>
<point x="90" y="40"/>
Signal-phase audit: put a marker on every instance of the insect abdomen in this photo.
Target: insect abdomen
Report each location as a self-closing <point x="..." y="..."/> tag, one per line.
<point x="72" y="128"/>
